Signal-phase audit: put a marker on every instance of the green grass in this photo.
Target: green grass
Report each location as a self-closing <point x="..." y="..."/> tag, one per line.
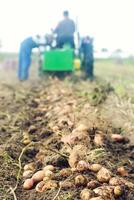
<point x="120" y="76"/>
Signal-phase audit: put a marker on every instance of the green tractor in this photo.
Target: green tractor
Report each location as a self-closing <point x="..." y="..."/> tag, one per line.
<point x="61" y="62"/>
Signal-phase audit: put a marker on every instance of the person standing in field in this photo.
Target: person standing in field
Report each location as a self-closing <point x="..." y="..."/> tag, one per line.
<point x="65" y="31"/>
<point x="25" y="53"/>
<point x="88" y="57"/>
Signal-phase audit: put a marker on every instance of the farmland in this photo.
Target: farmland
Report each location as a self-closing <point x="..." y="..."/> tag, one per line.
<point x="63" y="123"/>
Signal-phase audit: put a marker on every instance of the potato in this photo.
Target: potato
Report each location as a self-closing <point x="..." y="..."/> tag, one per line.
<point x="49" y="167"/>
<point x="69" y="139"/>
<point x="82" y="165"/>
<point x="55" y="128"/>
<point x="105" y="191"/>
<point x="26" y="141"/>
<point x="80" y="136"/>
<point x="73" y="159"/>
<point x="30" y="166"/>
<point x="118" y="191"/>
<point x="45" y="179"/>
<point x="66" y="184"/>
<point x="77" y="154"/>
<point x="25" y="135"/>
<point x="82" y="127"/>
<point x="65" y="172"/>
<point x="28" y="184"/>
<point x="40" y="187"/>
<point x="129" y="184"/>
<point x="74" y="169"/>
<point x="86" y="194"/>
<point x="49" y="174"/>
<point x="122" y="171"/>
<point x="38" y="176"/>
<point x="97" y="198"/>
<point x="117" y="137"/>
<point x="115" y="181"/>
<point x="104" y="175"/>
<point x="99" y="139"/>
<point x="80" y="180"/>
<point x="51" y="184"/>
<point x="93" y="184"/>
<point x="27" y="174"/>
<point x="95" y="167"/>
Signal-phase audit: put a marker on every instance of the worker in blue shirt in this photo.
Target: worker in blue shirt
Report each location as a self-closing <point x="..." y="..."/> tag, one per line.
<point x="86" y="49"/>
<point x="26" y="50"/>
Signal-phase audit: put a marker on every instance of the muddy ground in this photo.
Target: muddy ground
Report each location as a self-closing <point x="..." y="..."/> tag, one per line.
<point x="50" y="109"/>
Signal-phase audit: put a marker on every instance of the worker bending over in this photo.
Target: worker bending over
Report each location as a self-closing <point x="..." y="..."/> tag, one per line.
<point x="26" y="50"/>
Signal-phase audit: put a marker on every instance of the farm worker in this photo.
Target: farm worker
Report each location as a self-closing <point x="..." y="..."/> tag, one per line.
<point x="65" y="31"/>
<point x="26" y="50"/>
<point x="88" y="60"/>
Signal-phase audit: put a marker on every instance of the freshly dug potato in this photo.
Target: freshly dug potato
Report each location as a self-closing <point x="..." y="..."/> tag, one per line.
<point x="45" y="185"/>
<point x="25" y="135"/>
<point x="66" y="184"/>
<point x="115" y="181"/>
<point x="122" y="171"/>
<point x="29" y="166"/>
<point x="74" y="170"/>
<point x="82" y="165"/>
<point x="40" y="156"/>
<point x="49" y="167"/>
<point x="129" y="184"/>
<point x="118" y="191"/>
<point x="49" y="174"/>
<point x="50" y="184"/>
<point x="55" y="128"/>
<point x="97" y="198"/>
<point x="81" y="136"/>
<point x="117" y="137"/>
<point x="95" y="167"/>
<point x="28" y="184"/>
<point x="69" y="139"/>
<point x="73" y="159"/>
<point x="105" y="191"/>
<point x="40" y="187"/>
<point x="86" y="194"/>
<point x="66" y="172"/>
<point x="27" y="174"/>
<point x="77" y="154"/>
<point x="104" y="175"/>
<point x="76" y="137"/>
<point x="80" y="180"/>
<point x="45" y="179"/>
<point x="82" y="127"/>
<point x="38" y="176"/>
<point x="26" y="141"/>
<point x="93" y="184"/>
<point x="99" y="139"/>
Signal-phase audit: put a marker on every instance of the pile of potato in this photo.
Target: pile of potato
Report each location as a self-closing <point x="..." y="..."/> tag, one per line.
<point x="104" y="185"/>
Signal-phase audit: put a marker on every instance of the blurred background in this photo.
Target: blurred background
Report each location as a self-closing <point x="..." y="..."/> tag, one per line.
<point x="109" y="22"/>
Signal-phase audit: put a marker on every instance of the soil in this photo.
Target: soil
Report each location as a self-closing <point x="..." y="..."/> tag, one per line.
<point x="47" y="111"/>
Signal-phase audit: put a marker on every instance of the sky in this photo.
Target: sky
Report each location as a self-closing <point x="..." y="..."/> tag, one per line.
<point x="110" y="22"/>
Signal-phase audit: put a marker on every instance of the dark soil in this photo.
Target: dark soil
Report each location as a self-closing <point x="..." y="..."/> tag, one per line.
<point x="37" y="109"/>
